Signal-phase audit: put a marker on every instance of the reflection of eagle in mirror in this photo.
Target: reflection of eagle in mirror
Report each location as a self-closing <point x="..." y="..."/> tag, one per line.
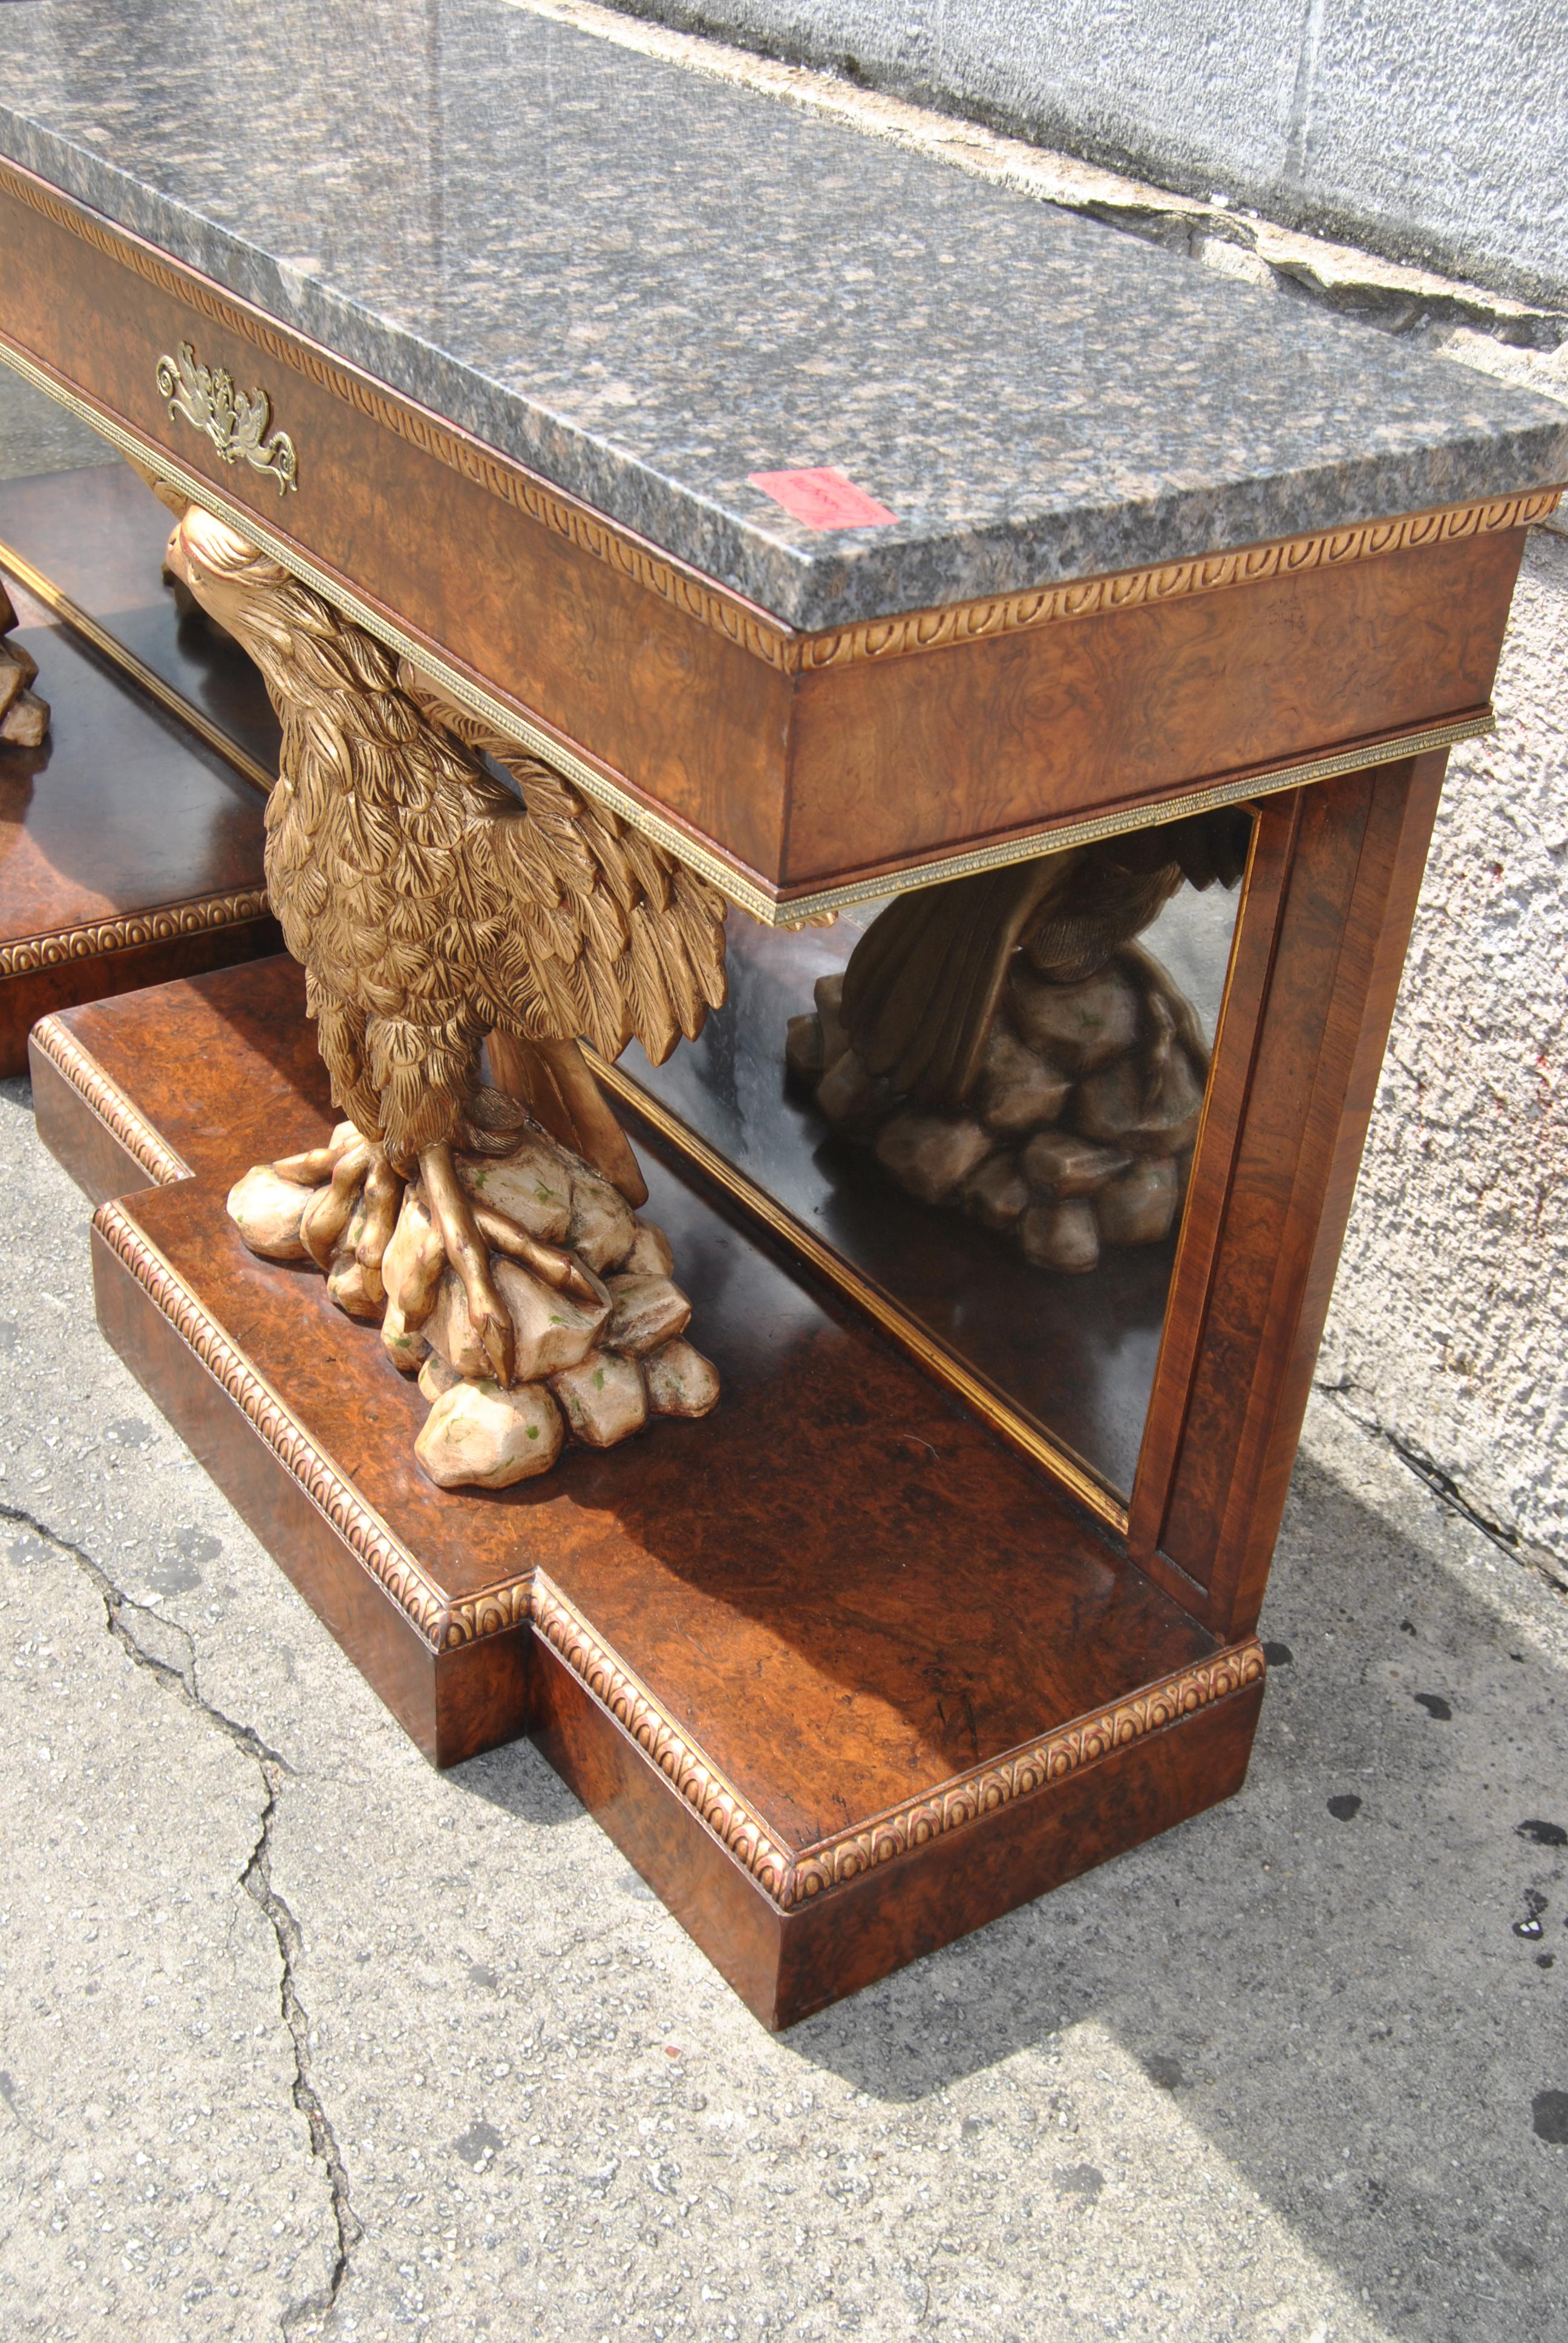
<point x="437" y="909"/>
<point x="922" y="985"/>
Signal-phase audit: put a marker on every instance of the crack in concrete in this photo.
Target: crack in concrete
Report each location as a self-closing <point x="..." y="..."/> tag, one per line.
<point x="1447" y="1490"/>
<point x="121" y="1611"/>
<point x="257" y="1881"/>
<point x="122" y="1614"/>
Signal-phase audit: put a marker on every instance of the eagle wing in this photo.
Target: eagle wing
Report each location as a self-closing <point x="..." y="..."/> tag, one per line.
<point x="922" y="988"/>
<point x="576" y="926"/>
<point x="922" y="984"/>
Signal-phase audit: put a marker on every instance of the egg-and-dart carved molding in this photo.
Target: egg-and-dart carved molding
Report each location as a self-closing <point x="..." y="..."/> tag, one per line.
<point x="794" y="1879"/>
<point x="728" y="614"/>
<point x="635" y="1711"/>
<point x="1130" y="590"/>
<point x="92" y="938"/>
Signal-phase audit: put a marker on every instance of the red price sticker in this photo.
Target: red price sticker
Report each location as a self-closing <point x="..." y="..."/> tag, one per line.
<point x="824" y="498"/>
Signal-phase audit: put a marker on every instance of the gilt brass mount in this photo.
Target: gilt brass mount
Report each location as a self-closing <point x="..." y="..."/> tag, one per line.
<point x="235" y="421"/>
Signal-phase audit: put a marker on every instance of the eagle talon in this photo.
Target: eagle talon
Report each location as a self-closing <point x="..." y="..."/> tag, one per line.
<point x="383" y="1202"/>
<point x="333" y="1207"/>
<point x="317" y="1164"/>
<point x="552" y="1264"/>
<point x="471" y="1257"/>
<point x="498" y="1339"/>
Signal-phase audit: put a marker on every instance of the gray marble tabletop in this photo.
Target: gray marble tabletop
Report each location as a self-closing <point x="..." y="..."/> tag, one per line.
<point x="652" y="287"/>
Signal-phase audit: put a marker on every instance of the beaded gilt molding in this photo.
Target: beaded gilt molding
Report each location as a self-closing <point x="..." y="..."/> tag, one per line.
<point x="54" y="1039"/>
<point x="91" y="938"/>
<point x="721" y="608"/>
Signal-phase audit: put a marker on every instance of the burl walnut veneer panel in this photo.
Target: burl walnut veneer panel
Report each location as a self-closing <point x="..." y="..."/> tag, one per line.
<point x="761" y="1645"/>
<point x="992" y="738"/>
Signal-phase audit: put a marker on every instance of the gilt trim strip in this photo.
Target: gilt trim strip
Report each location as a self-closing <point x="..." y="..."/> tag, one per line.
<point x="731" y="878"/>
<point x="442" y="1622"/>
<point x="54" y="1039"/>
<point x="964" y="860"/>
<point x="92" y="938"/>
<point x="727" y="612"/>
<point x="831" y="1862"/>
<point x="82" y="622"/>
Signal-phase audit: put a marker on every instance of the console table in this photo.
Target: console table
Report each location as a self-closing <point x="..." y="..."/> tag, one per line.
<point x="851" y="534"/>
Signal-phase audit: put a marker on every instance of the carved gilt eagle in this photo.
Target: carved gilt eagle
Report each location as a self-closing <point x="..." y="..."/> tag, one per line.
<point x="446" y="891"/>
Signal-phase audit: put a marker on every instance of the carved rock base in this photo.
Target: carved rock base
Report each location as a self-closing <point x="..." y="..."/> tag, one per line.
<point x="594" y="1365"/>
<point x="1080" y="1134"/>
<point x="24" y="716"/>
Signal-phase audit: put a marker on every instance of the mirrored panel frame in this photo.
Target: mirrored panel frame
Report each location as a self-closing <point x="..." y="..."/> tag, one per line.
<point x="974" y="1107"/>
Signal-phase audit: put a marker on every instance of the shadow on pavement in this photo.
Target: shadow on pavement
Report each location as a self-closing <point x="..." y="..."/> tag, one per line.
<point x="1327" y="1974"/>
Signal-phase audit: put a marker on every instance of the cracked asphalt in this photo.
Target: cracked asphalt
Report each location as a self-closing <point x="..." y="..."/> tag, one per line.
<point x="302" y="2039"/>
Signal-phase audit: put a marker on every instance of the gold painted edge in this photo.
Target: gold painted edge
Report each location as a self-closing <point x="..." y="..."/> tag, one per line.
<point x="731" y="882"/>
<point x="440" y="1621"/>
<point x="791" y="1879"/>
<point x="1018" y="1430"/>
<point x="124" y="1122"/>
<point x="724" y="609"/>
<point x="81" y="622"/>
<point x="125" y="930"/>
<point x="1056" y="840"/>
<point x="533" y="1599"/>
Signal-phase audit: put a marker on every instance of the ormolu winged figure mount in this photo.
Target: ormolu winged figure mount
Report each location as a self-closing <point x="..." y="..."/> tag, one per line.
<point x="443" y="912"/>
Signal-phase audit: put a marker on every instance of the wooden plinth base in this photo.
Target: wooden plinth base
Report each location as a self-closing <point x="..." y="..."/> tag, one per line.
<point x="130" y="851"/>
<point x="841" y="1675"/>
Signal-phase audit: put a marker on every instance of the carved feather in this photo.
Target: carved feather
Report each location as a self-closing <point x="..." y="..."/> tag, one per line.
<point x="434" y="905"/>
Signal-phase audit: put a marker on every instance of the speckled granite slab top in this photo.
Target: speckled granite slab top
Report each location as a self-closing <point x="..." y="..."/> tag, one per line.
<point x="651" y="286"/>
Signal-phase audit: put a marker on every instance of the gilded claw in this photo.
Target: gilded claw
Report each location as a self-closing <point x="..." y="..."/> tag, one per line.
<point x="470" y="1256"/>
<point x="329" y="1215"/>
<point x="495" y="1331"/>
<point x="562" y="1271"/>
<point x="317" y="1163"/>
<point x="383" y="1201"/>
